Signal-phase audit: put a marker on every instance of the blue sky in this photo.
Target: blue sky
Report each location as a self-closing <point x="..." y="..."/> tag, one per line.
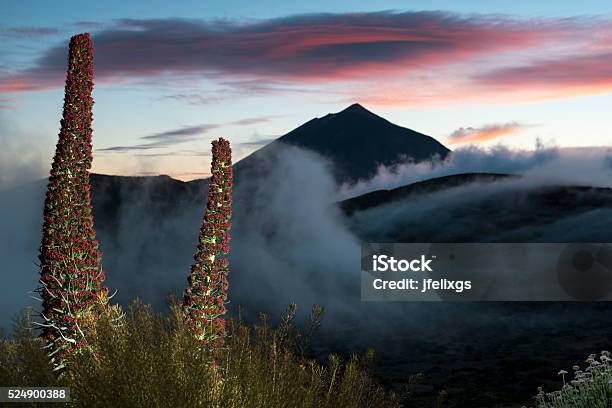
<point x="61" y="12"/>
<point x="482" y="72"/>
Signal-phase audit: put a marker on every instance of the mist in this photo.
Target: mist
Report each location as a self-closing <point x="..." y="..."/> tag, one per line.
<point x="22" y="165"/>
<point x="21" y="159"/>
<point x="21" y="211"/>
<point x="290" y="242"/>
<point x="507" y="210"/>
<point x="581" y="166"/>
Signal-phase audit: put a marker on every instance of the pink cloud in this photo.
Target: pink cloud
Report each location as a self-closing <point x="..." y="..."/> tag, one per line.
<point x="305" y="48"/>
<point x="483" y="133"/>
<point x="573" y="74"/>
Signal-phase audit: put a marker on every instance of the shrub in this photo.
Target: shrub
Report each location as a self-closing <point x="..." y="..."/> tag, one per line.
<point x="589" y="388"/>
<point x="70" y="274"/>
<point x="153" y="360"/>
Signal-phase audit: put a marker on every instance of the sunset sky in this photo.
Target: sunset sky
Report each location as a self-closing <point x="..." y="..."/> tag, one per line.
<point x="171" y="78"/>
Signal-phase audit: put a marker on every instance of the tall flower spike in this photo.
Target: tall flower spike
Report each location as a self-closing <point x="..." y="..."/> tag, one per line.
<point x="70" y="273"/>
<point x="204" y="301"/>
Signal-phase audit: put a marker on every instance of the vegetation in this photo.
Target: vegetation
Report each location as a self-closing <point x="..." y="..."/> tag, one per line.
<point x="153" y="360"/>
<point x="70" y="273"/>
<point x="148" y="359"/>
<point x="590" y="388"/>
<point x="206" y="294"/>
<point x="144" y="358"/>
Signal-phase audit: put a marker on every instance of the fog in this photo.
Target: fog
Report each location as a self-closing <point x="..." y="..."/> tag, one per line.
<point x="290" y="243"/>
<point x="507" y="210"/>
<point x="581" y="166"/>
<point x="21" y="159"/>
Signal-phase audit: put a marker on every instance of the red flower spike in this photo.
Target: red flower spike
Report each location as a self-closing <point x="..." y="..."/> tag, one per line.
<point x="69" y="254"/>
<point x="206" y="294"/>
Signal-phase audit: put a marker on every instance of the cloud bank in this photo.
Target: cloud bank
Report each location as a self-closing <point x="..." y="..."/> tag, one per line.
<point x="470" y="159"/>
<point x="322" y="48"/>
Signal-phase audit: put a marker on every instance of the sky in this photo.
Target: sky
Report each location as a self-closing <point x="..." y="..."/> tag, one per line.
<point x="169" y="79"/>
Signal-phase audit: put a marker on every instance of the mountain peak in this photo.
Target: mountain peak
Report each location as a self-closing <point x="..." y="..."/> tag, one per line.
<point x="357" y="108"/>
<point x="357" y="142"/>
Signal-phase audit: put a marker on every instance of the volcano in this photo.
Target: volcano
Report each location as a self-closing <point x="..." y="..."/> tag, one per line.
<point x="356" y="141"/>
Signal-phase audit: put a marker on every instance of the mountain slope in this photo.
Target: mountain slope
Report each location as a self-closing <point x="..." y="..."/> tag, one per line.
<point x="356" y="141"/>
<point x="482" y="207"/>
<point x="380" y="197"/>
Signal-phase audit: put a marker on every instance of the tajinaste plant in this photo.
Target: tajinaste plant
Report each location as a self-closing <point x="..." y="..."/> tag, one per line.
<point x="204" y="301"/>
<point x="70" y="272"/>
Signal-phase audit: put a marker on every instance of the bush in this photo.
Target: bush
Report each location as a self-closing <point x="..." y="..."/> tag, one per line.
<point x="590" y="388"/>
<point x="153" y="360"/>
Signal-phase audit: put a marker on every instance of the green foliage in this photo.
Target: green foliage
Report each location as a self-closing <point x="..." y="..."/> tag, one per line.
<point x="590" y="388"/>
<point x="153" y="360"/>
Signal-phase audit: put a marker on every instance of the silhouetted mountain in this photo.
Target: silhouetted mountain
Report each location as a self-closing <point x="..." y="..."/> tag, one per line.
<point x="157" y="196"/>
<point x="356" y="141"/>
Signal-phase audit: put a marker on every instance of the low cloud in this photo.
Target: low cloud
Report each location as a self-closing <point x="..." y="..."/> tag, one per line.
<point x="290" y="242"/>
<point x="470" y="159"/>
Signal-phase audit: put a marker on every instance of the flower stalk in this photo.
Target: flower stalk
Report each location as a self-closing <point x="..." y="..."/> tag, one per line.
<point x="71" y="278"/>
<point x="206" y="294"/>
